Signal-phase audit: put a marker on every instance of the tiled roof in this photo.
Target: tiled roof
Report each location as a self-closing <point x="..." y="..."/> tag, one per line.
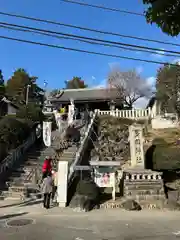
<point x="86" y="94"/>
<point x="6" y="100"/>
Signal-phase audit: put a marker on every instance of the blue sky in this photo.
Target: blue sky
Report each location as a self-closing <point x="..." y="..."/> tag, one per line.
<point x="55" y="65"/>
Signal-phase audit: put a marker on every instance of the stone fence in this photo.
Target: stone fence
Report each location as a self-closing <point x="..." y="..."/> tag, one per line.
<point x="16" y="154"/>
<point x="131" y="114"/>
<point x="143" y="176"/>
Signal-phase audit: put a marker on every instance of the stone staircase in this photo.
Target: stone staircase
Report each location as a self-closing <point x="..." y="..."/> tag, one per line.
<point x="20" y="182"/>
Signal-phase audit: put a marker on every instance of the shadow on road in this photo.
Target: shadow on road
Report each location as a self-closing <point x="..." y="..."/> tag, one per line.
<point x="12" y="215"/>
<point x="30" y="203"/>
<point x="15" y="204"/>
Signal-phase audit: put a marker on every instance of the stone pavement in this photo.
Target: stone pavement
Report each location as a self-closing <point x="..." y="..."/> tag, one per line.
<point x="101" y="224"/>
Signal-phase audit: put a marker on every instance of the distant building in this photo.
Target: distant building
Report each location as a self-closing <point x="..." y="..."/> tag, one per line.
<point x="91" y="98"/>
<point x="7" y="107"/>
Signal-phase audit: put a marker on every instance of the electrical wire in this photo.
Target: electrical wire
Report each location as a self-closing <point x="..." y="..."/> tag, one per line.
<point x="88" y="29"/>
<point x="85" y="41"/>
<point x="92" y="39"/>
<point x="84" y="51"/>
<point x="102" y="7"/>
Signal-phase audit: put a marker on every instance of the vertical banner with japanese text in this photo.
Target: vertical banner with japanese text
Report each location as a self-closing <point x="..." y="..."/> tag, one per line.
<point x="47" y="133"/>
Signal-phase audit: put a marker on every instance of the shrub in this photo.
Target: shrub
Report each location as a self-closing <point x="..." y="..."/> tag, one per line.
<point x="166" y="156"/>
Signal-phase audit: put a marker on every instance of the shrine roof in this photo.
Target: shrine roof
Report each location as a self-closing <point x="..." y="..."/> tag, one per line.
<point x="86" y="94"/>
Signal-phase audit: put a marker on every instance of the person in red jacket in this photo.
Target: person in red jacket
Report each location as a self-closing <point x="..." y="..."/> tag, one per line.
<point x="47" y="166"/>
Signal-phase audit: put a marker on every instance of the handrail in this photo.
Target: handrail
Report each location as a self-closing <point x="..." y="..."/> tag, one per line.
<point x="81" y="148"/>
<point x="13" y="156"/>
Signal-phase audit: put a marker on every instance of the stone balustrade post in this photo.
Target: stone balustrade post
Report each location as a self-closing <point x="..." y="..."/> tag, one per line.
<point x="62" y="183"/>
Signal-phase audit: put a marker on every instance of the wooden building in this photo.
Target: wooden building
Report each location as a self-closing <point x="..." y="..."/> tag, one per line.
<point x="7" y="107"/>
<point x="91" y="98"/>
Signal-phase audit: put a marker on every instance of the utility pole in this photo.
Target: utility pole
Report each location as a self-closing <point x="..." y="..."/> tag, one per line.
<point x="27" y="93"/>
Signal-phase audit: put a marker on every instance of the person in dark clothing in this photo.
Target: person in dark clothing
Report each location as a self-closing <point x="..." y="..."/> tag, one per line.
<point x="47" y="187"/>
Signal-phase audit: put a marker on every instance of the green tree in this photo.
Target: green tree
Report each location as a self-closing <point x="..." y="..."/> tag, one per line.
<point x="18" y="86"/>
<point x="31" y="112"/>
<point x="75" y="83"/>
<point x="2" y="86"/>
<point x="168" y="88"/>
<point x="165" y="13"/>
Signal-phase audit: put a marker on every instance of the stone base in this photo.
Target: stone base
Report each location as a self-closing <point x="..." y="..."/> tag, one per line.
<point x="143" y="185"/>
<point x="117" y="204"/>
<point x="62" y="204"/>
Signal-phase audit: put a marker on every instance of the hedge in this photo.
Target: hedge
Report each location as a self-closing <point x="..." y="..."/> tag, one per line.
<point x="165" y="156"/>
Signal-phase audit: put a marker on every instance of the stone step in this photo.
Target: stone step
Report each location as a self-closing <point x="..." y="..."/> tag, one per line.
<point x="146" y="197"/>
<point x="149" y="182"/>
<point x="68" y="154"/>
<point x="142" y="187"/>
<point x="144" y="192"/>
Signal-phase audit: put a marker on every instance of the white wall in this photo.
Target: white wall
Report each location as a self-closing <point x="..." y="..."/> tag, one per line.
<point x="11" y="110"/>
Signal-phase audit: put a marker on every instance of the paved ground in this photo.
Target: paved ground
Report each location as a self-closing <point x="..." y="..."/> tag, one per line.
<point x="64" y="224"/>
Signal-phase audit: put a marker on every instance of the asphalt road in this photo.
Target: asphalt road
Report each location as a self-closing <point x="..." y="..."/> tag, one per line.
<point x="57" y="224"/>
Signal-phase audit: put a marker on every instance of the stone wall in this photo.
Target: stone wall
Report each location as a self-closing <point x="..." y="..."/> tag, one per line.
<point x="161" y="122"/>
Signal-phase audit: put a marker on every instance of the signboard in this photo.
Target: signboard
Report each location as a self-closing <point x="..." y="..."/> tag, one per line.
<point x="104" y="177"/>
<point x="47" y="133"/>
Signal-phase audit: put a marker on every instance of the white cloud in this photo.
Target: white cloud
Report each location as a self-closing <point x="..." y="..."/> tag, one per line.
<point x="141" y="103"/>
<point x="139" y="69"/>
<point x="151" y="81"/>
<point x="113" y="65"/>
<point x="159" y="54"/>
<point x="176" y="61"/>
<point x="102" y="84"/>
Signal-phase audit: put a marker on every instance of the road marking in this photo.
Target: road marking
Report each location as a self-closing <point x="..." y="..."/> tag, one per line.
<point x="77" y="228"/>
<point x="176" y="233"/>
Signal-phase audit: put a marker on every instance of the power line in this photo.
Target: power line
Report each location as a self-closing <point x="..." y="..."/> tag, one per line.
<point x="86" y="41"/>
<point x="102" y="7"/>
<point x="92" y="39"/>
<point x="84" y="51"/>
<point x="88" y="29"/>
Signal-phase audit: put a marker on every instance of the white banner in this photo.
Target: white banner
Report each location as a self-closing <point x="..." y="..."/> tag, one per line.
<point x="70" y="114"/>
<point x="47" y="133"/>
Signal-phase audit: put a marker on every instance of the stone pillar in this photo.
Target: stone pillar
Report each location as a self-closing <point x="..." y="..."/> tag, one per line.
<point x="62" y="183"/>
<point x="136" y="146"/>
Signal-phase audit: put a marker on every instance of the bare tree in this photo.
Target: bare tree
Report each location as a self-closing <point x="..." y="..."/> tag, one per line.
<point x="130" y="85"/>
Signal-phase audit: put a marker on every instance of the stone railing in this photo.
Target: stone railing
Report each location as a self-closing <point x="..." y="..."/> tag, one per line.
<point x="143" y="176"/>
<point x="82" y="148"/>
<point x="131" y="114"/>
<point x="16" y="154"/>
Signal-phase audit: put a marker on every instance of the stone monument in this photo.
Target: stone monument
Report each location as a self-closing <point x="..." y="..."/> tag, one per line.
<point x="136" y="146"/>
<point x="140" y="184"/>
